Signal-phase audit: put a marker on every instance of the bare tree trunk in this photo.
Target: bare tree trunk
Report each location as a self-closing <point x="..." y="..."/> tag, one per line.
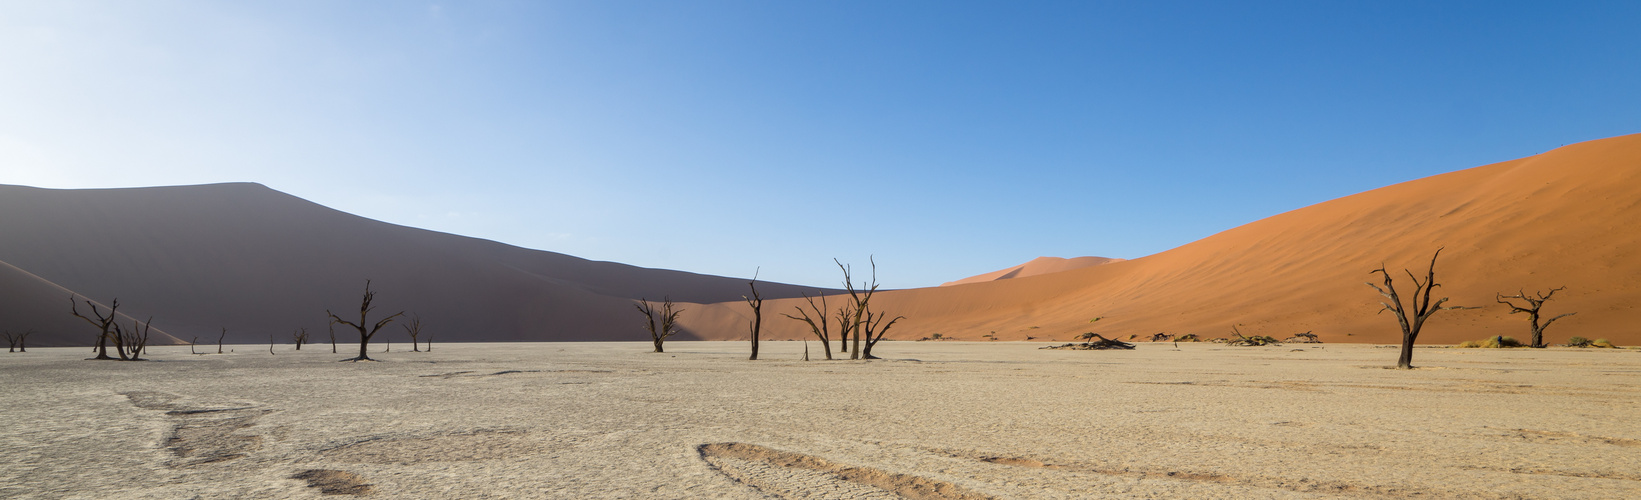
<point x="137" y="341"/>
<point x="862" y="298"/>
<point x="414" y="329"/>
<point x="1532" y="310"/>
<point x="104" y="324"/>
<point x="270" y="344"/>
<point x="1421" y="308"/>
<point x="817" y="324"/>
<point x="219" y="339"/>
<point x="757" y="303"/>
<point x="364" y="334"/>
<point x="191" y="345"/>
<point x="843" y="329"/>
<point x="669" y="318"/>
<point x="872" y="324"/>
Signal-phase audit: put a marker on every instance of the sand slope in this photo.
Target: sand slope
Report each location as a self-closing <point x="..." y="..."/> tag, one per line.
<point x="1040" y="265"/>
<point x="24" y="296"/>
<point x="1567" y="217"/>
<point x="261" y="262"/>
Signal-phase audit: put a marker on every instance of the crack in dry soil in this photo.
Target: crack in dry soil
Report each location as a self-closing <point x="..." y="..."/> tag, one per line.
<point x="1302" y="485"/>
<point x="450" y="447"/>
<point x="789" y="481"/>
<point x="1538" y="471"/>
<point x="1539" y="436"/>
<point x="471" y="373"/>
<point x="202" y="435"/>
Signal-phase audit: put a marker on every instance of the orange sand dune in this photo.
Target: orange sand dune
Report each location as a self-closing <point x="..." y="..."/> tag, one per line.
<point x="1568" y="217"/>
<point x="1040" y="265"/>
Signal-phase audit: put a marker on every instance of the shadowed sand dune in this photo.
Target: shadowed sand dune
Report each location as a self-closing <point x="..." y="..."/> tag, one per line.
<point x="1567" y="217"/>
<point x="24" y="296"/>
<point x="261" y="262"/>
<point x="1037" y="266"/>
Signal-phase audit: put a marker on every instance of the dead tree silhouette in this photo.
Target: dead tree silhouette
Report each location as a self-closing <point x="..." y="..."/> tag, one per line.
<point x="133" y="343"/>
<point x="414" y="329"/>
<point x="18" y="341"/>
<point x="817" y="323"/>
<point x="1421" y="307"/>
<point x="104" y="324"/>
<point x="364" y="333"/>
<point x="858" y="317"/>
<point x="667" y="320"/>
<point x="846" y="322"/>
<point x="757" y="303"/>
<point x="874" y="323"/>
<point x="1533" y="305"/>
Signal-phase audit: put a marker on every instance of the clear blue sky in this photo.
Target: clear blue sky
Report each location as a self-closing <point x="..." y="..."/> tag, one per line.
<point x="947" y="138"/>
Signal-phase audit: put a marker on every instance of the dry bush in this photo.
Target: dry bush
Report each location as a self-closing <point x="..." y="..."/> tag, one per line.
<point x="1303" y="338"/>
<point x="1093" y="345"/>
<point x="1584" y="342"/>
<point x="1496" y="342"/>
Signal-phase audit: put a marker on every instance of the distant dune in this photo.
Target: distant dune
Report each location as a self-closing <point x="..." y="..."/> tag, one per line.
<point x="1567" y="217"/>
<point x="1040" y="265"/>
<point x="261" y="262"/>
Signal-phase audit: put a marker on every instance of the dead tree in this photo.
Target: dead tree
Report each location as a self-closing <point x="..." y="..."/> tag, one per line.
<point x="133" y="343"/>
<point x="332" y="328"/>
<point x="18" y="341"/>
<point x="414" y="329"/>
<point x="104" y="324"/>
<point x="300" y="337"/>
<point x="757" y="303"/>
<point x="270" y="344"/>
<point x="192" y="344"/>
<point x="1533" y="305"/>
<point x="1420" y="309"/>
<point x="874" y="323"/>
<point x="364" y="333"/>
<point x="860" y="308"/>
<point x="817" y="323"/>
<point x="846" y="324"/>
<point x="1090" y="344"/>
<point x="429" y="342"/>
<point x="668" y="319"/>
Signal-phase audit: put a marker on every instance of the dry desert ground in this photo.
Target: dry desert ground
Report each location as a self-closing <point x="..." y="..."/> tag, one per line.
<point x="938" y="420"/>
